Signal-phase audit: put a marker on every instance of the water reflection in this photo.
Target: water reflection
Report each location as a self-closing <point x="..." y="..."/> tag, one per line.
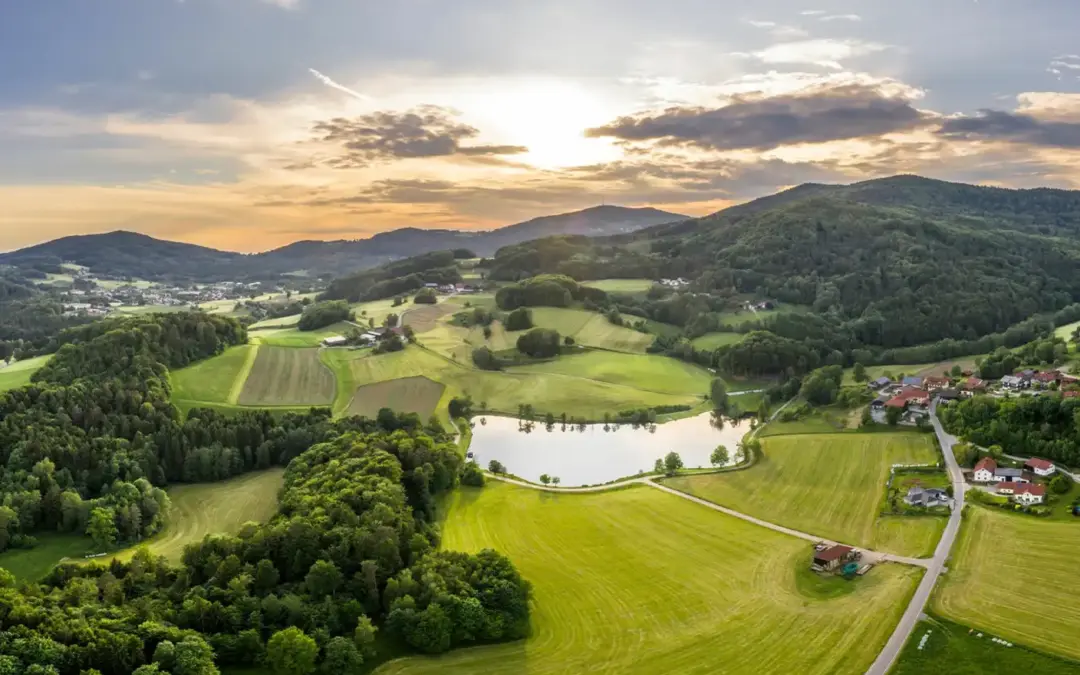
<point x="589" y="454"/>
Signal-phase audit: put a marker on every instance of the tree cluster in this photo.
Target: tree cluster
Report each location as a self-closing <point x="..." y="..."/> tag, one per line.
<point x="322" y="314"/>
<point x="1030" y="426"/>
<point x="540" y="343"/>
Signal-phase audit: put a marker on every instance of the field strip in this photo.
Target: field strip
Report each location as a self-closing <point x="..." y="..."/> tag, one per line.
<point x="242" y="376"/>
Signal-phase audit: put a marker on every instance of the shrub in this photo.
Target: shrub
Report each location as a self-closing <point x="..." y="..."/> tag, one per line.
<point x="519" y="319"/>
<point x="485" y="359"/>
<point x="472" y="475"/>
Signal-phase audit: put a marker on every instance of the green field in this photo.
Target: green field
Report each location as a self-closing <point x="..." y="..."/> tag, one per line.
<point x="829" y="485"/>
<point x="711" y="341"/>
<point x="1016" y="577"/>
<point x="410" y="394"/>
<point x="1065" y="332"/>
<point x="294" y="337"/>
<point x="546" y="391"/>
<point x="952" y="649"/>
<point x="638" y="581"/>
<point x="284" y="376"/>
<point x="624" y="286"/>
<point x="34" y="563"/>
<point x="591" y="329"/>
<point x="215" y="380"/>
<point x="651" y="373"/>
<point x="18" y="374"/>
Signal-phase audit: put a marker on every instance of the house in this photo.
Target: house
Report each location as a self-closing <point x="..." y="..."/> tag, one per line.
<point x="879" y="383"/>
<point x="947" y="395"/>
<point x="1030" y="494"/>
<point x="936" y="383"/>
<point x="878" y="403"/>
<point x="335" y="341"/>
<point x="1047" y="377"/>
<point x="1040" y="467"/>
<point x="909" y="397"/>
<point x="1007" y="488"/>
<point x="378" y="332"/>
<point x="912" y="381"/>
<point x="833" y="556"/>
<point x="984" y="470"/>
<point x="1014" y="475"/>
<point x="927" y="497"/>
<point x="974" y="384"/>
<point x="1014" y="382"/>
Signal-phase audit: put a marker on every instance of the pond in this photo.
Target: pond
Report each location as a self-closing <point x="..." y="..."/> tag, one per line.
<point x="589" y="455"/>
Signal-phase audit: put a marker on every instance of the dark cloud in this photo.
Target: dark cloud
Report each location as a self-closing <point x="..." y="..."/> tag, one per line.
<point x="1013" y="127"/>
<point x="427" y="131"/>
<point x="815" y="116"/>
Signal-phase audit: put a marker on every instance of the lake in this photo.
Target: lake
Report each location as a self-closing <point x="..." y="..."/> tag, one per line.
<point x="592" y="456"/>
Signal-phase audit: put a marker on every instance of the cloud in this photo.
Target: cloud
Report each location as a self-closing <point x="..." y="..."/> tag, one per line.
<point x="284" y="4"/>
<point x="814" y="115"/>
<point x="426" y="131"/>
<point x="997" y="125"/>
<point x="841" y="17"/>
<point x="812" y="12"/>
<point x="825" y="53"/>
<point x="779" y="31"/>
<point x="1065" y="65"/>
<point x="334" y="85"/>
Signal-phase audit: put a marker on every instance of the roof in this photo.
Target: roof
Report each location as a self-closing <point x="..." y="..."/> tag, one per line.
<point x="832" y="553"/>
<point x="336" y="339"/>
<point x="1047" y="376"/>
<point x="1012" y="379"/>
<point x="902" y="399"/>
<point x="1071" y="394"/>
<point x="913" y="381"/>
<point x="948" y="393"/>
<point x="987" y="463"/>
<point x="1008" y="485"/>
<point x="1026" y="373"/>
<point x="936" y="380"/>
<point x="1038" y="463"/>
<point x="1011" y="473"/>
<point x="1036" y="489"/>
<point x="882" y="381"/>
<point x="974" y="383"/>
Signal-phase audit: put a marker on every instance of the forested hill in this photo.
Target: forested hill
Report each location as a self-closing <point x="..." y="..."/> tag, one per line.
<point x="127" y="254"/>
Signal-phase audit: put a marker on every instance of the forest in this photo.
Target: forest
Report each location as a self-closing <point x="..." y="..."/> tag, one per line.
<point x="396" y="278"/>
<point x="1030" y="426"/>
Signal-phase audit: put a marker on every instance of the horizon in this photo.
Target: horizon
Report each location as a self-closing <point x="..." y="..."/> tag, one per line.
<point x="330" y="120"/>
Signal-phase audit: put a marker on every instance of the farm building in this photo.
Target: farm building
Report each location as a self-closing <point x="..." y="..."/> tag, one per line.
<point x="1007" y="488"/>
<point x="334" y="341"/>
<point x="947" y="395"/>
<point x="1040" y="467"/>
<point x="909" y="397"/>
<point x="935" y="383"/>
<point x="974" y="384"/>
<point x="879" y="383"/>
<point x="833" y="556"/>
<point x="1046" y="377"/>
<point x="984" y="470"/>
<point x="1014" y="475"/>
<point x="1030" y="494"/>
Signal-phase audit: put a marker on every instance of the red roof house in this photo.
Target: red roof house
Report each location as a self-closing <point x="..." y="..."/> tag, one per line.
<point x="1007" y="488"/>
<point x="935" y="383"/>
<point x="910" y="395"/>
<point x="1031" y="493"/>
<point x="974" y="384"/>
<point x="984" y="470"/>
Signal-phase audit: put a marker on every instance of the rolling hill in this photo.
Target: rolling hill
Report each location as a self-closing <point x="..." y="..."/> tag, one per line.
<point x="125" y="254"/>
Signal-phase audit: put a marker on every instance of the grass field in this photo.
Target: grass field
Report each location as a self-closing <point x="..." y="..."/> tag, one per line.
<point x="638" y="581"/>
<point x="952" y="649"/>
<point x="829" y="485"/>
<point x="1065" y="332"/>
<point x="215" y="380"/>
<point x="502" y="391"/>
<point x="284" y="376"/>
<point x="293" y="337"/>
<point x="34" y="563"/>
<point x="426" y="317"/>
<point x="716" y="340"/>
<point x="591" y="329"/>
<point x="212" y="508"/>
<point x="1016" y="577"/>
<point x="647" y="372"/>
<point x="18" y="374"/>
<point x="410" y="394"/>
<point x="625" y="286"/>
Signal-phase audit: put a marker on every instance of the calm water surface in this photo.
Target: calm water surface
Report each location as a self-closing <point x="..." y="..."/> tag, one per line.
<point x="592" y="455"/>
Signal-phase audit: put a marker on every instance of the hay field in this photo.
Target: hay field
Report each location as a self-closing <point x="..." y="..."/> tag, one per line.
<point x="829" y="485"/>
<point x="282" y="376"/>
<point x="648" y="372"/>
<point x="214" y="380"/>
<point x="410" y="394"/>
<point x="641" y="582"/>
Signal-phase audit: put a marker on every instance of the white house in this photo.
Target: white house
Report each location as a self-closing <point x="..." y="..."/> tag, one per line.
<point x="1030" y="494"/>
<point x="1040" y="467"/>
<point x="984" y="470"/>
<point x="1007" y="488"/>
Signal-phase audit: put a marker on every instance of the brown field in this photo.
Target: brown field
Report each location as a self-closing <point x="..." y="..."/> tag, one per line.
<point x="285" y="376"/>
<point x="409" y="394"/>
<point x="423" y="318"/>
<point x="965" y="363"/>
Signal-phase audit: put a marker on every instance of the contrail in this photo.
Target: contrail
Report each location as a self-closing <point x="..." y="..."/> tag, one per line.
<point x="330" y="83"/>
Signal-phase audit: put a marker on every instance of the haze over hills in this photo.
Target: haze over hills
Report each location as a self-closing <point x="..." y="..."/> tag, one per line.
<point x="137" y="255"/>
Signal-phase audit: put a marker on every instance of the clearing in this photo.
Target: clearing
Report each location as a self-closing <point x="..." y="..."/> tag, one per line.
<point x="638" y="581"/>
<point x="829" y="485"/>
<point x="1015" y="576"/>
<point x="624" y="286"/>
<point x="282" y="376"/>
<point x="215" y="380"/>
<point x="951" y="649"/>
<point x="18" y="374"/>
<point x="650" y="373"/>
<point x="409" y="394"/>
<point x="712" y="341"/>
<point x="34" y="563"/>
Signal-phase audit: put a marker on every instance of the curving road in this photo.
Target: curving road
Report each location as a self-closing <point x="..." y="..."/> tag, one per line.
<point x="936" y="567"/>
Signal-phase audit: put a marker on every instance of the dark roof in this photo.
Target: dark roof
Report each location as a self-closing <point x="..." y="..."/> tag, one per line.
<point x="948" y="393"/>
<point x="832" y="553"/>
<point x="1011" y="473"/>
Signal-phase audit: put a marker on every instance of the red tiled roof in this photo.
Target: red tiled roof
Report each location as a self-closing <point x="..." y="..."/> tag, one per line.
<point x="987" y="463"/>
<point x="1047" y="376"/>
<point x="974" y="383"/>
<point x="833" y="553"/>
<point x="1008" y="485"/>
<point x="909" y="394"/>
<point x="1038" y="463"/>
<point x="1036" y="489"/>
<point x="936" y="380"/>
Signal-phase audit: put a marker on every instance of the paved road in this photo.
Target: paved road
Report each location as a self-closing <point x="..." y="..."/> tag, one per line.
<point x="936" y="566"/>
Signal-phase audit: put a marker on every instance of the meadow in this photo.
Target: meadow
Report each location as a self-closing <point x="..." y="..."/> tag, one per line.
<point x="410" y="394"/>
<point x="294" y="337"/>
<point x="18" y="374"/>
<point x="216" y="380"/>
<point x="952" y="649"/>
<point x="650" y="373"/>
<point x="284" y="376"/>
<point x="638" y="581"/>
<point x="623" y="286"/>
<point x="591" y="329"/>
<point x="1015" y="577"/>
<point x="829" y="485"/>
<point x="711" y="341"/>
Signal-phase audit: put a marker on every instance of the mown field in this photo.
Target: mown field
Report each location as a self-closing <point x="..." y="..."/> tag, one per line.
<point x="717" y="340"/>
<point x="626" y="286"/>
<point x="829" y="485"/>
<point x="215" y="380"/>
<point x="284" y="376"/>
<point x="18" y="374"/>
<point x="952" y="649"/>
<point x="294" y="337"/>
<point x="1016" y="577"/>
<point x="410" y="394"/>
<point x="638" y="581"/>
<point x="651" y="373"/>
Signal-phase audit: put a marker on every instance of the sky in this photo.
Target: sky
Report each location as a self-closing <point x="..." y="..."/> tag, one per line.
<point x="249" y="124"/>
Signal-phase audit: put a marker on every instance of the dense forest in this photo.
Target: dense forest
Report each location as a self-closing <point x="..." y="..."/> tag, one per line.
<point x="396" y="278"/>
<point x="1029" y="426"/>
<point x="29" y="317"/>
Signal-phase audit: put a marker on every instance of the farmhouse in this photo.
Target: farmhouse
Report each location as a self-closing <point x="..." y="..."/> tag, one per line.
<point x="909" y="397"/>
<point x="936" y="383"/>
<point x="984" y="470"/>
<point x="1030" y="494"/>
<point x="1040" y="467"/>
<point x="833" y="556"/>
<point x="974" y="384"/>
<point x="1007" y="488"/>
<point x="334" y="341"/>
<point x="927" y="497"/>
<point x="1013" y="382"/>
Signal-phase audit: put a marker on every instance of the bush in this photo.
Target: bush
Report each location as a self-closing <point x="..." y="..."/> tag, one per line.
<point x="391" y="343"/>
<point x="472" y="475"/>
<point x="540" y="343"/>
<point x="1061" y="484"/>
<point x="426" y="296"/>
<point x="485" y="359"/>
<point x="519" y="319"/>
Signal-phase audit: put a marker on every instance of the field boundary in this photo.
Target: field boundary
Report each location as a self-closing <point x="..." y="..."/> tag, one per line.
<point x="242" y="376"/>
